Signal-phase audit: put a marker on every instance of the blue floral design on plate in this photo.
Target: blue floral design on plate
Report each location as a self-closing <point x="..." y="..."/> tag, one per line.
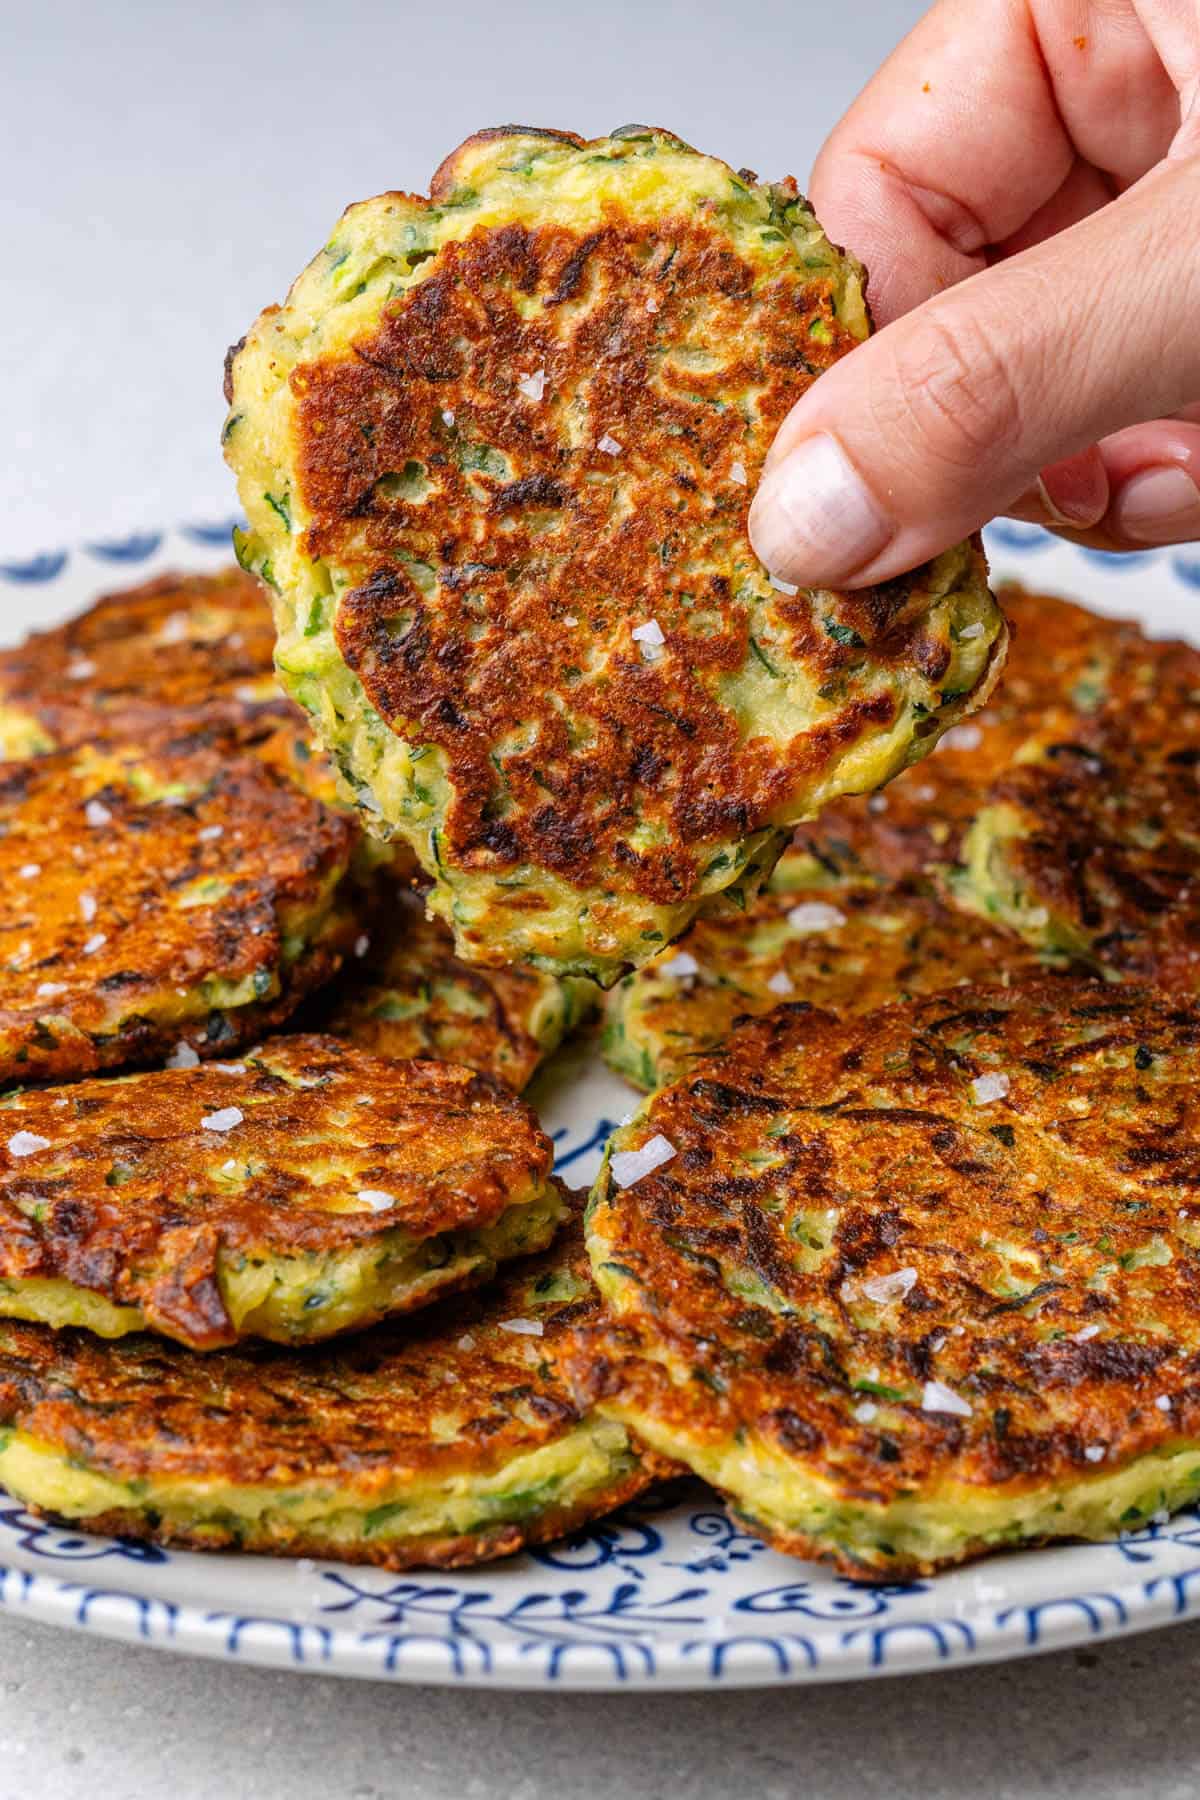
<point x="138" y="547"/>
<point x="36" y="569"/>
<point x="218" y="533"/>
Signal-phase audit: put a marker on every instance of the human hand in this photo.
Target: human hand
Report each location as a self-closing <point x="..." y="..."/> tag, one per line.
<point x="1022" y="180"/>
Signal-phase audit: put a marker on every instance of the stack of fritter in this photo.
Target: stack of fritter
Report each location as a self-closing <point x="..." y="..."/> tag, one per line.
<point x="179" y="877"/>
<point x="906" y="1266"/>
<point x="912" y="1281"/>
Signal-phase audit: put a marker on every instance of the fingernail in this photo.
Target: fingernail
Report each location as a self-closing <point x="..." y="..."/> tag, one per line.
<point x="814" y="519"/>
<point x="1159" y="506"/>
<point x="1053" y="513"/>
<point x="1074" y="492"/>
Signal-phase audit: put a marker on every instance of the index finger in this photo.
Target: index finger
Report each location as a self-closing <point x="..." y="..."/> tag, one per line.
<point x="975" y="123"/>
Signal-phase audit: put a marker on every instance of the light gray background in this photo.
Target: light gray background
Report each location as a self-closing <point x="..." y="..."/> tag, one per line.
<point x="164" y="170"/>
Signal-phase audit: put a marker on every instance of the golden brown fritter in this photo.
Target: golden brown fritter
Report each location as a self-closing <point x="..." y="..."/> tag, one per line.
<point x="1065" y="665"/>
<point x="310" y="1188"/>
<point x="918" y="1284"/>
<point x="1092" y="847"/>
<point x="497" y="452"/>
<point x="183" y="662"/>
<point x="177" y="652"/>
<point x="151" y="898"/>
<point x="850" y="946"/>
<point x="407" y="994"/>
<point x="854" y="916"/>
<point x="1088" y="842"/>
<point x="447" y="1442"/>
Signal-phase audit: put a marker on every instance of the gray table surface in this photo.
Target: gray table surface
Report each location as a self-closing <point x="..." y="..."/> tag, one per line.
<point x="166" y="170"/>
<point x="82" y="1718"/>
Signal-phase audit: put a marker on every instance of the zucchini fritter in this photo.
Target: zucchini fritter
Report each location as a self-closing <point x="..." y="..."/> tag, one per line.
<point x="409" y="995"/>
<point x="860" y="911"/>
<point x="1066" y="665"/>
<point x="915" y="1285"/>
<point x="445" y="1443"/>
<point x="310" y="1189"/>
<point x="848" y="944"/>
<point x="1090" y="845"/>
<point x="177" y="652"/>
<point x="183" y="662"/>
<point x="497" y="451"/>
<point x="379" y="870"/>
<point x="154" y="900"/>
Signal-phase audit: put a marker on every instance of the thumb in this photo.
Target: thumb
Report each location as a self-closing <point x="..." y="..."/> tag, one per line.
<point x="947" y="416"/>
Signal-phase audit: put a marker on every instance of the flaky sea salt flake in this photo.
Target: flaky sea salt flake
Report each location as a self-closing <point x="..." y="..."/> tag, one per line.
<point x="378" y="1199"/>
<point x="936" y="1397"/>
<point x="961" y="737"/>
<point x="815" y="915"/>
<point x="630" y="1166"/>
<point x="26" y="1143"/>
<point x="224" y="1120"/>
<point x="893" y="1286"/>
<point x="175" y="630"/>
<point x="533" y="386"/>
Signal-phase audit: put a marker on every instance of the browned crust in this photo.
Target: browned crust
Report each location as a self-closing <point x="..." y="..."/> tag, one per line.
<point x="140" y="1044"/>
<point x="1086" y="1167"/>
<point x="656" y="744"/>
<point x="898" y="940"/>
<point x="127" y="669"/>
<point x="363" y="1414"/>
<point x="92" y="876"/>
<point x="630" y="778"/>
<point x="1060" y="655"/>
<point x="410" y="957"/>
<point x="1110" y="824"/>
<point x="126" y="1200"/>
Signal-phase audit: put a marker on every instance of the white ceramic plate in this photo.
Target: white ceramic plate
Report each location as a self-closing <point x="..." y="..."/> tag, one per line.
<point x="660" y="1596"/>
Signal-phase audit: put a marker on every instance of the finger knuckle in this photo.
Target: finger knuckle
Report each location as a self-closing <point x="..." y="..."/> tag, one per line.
<point x="958" y="390"/>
